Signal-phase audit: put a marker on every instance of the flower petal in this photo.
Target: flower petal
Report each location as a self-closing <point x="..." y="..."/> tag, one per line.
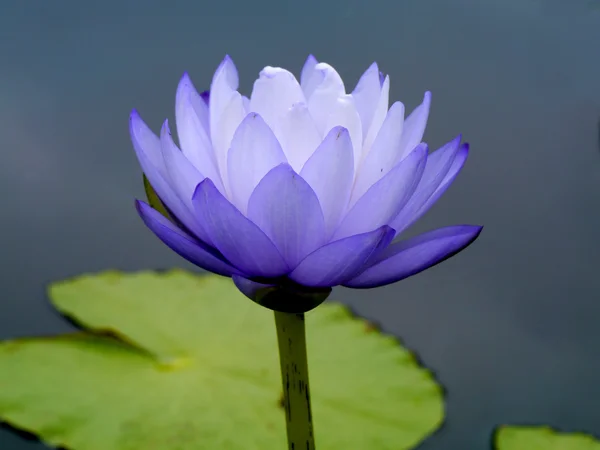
<point x="148" y="149"/>
<point x="298" y="136"/>
<point x="285" y="207"/>
<point x="379" y="116"/>
<point x="182" y="243"/>
<point x="224" y="83"/>
<point x="438" y="165"/>
<point x="183" y="179"/>
<point x="414" y="127"/>
<point x="254" y="152"/>
<point x="366" y="95"/>
<point x="405" y="258"/>
<point x="146" y="145"/>
<point x="273" y="95"/>
<point x="383" y="155"/>
<point x="228" y="123"/>
<point x="330" y="172"/>
<point x="330" y="107"/>
<point x="386" y="198"/>
<point x="339" y="261"/>
<point x="310" y="77"/>
<point x="243" y="243"/>
<point x="191" y="117"/>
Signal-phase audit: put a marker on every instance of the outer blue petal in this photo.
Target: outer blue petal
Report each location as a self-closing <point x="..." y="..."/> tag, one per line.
<point x="438" y="165"/>
<point x="182" y="243"/>
<point x="286" y="208"/>
<point x="242" y="242"/>
<point x="431" y="188"/>
<point x="148" y="149"/>
<point x="386" y="198"/>
<point x="337" y="262"/>
<point x="405" y="258"/>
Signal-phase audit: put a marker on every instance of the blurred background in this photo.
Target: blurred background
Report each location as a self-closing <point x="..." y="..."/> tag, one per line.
<point x="510" y="326"/>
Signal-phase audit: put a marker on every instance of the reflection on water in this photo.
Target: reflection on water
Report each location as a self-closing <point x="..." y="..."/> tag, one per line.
<point x="509" y="326"/>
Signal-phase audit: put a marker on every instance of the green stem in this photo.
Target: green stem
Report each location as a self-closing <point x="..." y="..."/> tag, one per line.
<point x="294" y="376"/>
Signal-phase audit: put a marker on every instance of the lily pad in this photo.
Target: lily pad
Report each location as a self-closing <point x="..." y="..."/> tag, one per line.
<point x="179" y="361"/>
<point x="542" y="438"/>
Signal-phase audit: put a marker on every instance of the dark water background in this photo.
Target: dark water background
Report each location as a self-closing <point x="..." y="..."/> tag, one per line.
<point x="510" y="326"/>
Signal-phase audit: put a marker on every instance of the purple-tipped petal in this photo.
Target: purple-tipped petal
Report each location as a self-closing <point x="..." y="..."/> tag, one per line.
<point x="414" y="126"/>
<point x="405" y="258"/>
<point x="273" y="94"/>
<point x="254" y="152"/>
<point x="330" y="172"/>
<point x="366" y="95"/>
<point x="438" y="165"/>
<point x="386" y="198"/>
<point x="191" y="117"/>
<point x="243" y="243"/>
<point x="310" y="77"/>
<point x="183" y="244"/>
<point x="339" y="261"/>
<point x="383" y="155"/>
<point x="287" y="210"/>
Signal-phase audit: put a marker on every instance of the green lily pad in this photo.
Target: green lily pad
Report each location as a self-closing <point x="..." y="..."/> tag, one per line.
<point x="179" y="361"/>
<point x="542" y="438"/>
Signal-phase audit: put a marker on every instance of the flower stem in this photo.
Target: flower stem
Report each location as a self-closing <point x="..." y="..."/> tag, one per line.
<point x="291" y="338"/>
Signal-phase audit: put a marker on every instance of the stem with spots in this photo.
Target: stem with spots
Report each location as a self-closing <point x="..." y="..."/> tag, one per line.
<point x="294" y="376"/>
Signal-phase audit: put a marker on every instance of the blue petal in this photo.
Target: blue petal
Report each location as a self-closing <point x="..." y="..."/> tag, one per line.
<point x="448" y="162"/>
<point x="330" y="172"/>
<point x="405" y="258"/>
<point x="183" y="244"/>
<point x="254" y="151"/>
<point x="438" y="165"/>
<point x="243" y="243"/>
<point x="339" y="261"/>
<point x="286" y="208"/>
<point x="386" y="198"/>
<point x="148" y="149"/>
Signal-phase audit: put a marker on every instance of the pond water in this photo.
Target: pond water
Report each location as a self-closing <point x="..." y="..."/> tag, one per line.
<point x="510" y="326"/>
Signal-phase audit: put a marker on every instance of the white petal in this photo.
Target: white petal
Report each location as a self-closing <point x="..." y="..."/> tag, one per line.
<point x="384" y="153"/>
<point x="366" y="95"/>
<point x="308" y="69"/>
<point x="379" y="115"/>
<point x="330" y="171"/>
<point x="330" y="106"/>
<point x="311" y="77"/>
<point x="193" y="137"/>
<point x="273" y="95"/>
<point x="414" y="126"/>
<point x="298" y="135"/>
<point x="254" y="151"/>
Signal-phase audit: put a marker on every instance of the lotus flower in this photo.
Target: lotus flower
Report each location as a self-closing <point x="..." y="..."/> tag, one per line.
<point x="301" y="184"/>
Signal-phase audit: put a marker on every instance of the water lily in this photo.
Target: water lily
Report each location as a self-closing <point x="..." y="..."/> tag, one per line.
<point x="301" y="184"/>
<point x="294" y="190"/>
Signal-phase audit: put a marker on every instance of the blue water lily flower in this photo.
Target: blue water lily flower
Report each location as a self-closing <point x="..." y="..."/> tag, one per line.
<point x="301" y="184"/>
